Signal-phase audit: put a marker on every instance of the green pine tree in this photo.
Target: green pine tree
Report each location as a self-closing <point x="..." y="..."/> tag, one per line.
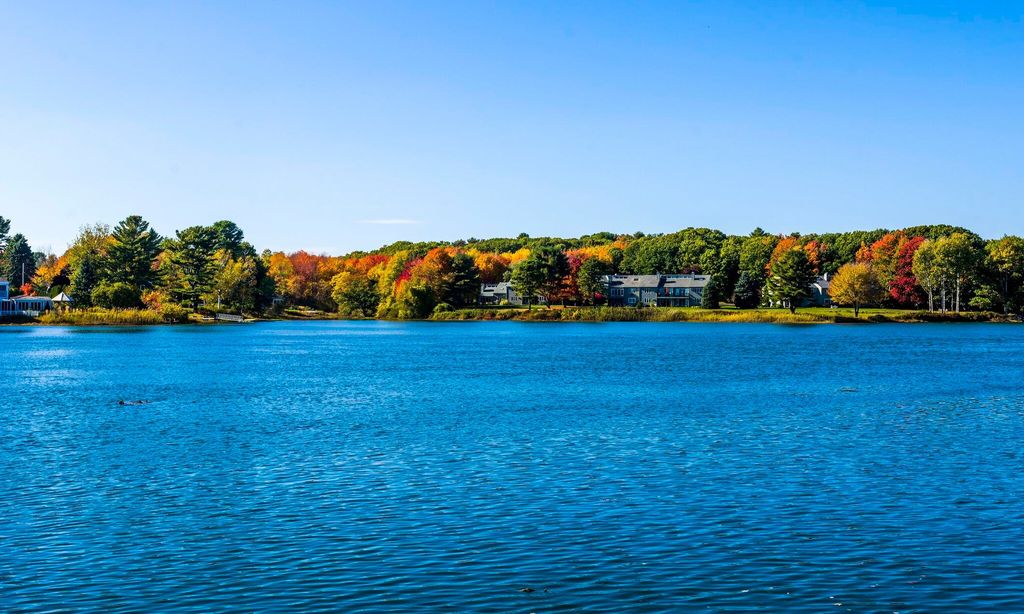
<point x="791" y="277"/>
<point x="133" y="248"/>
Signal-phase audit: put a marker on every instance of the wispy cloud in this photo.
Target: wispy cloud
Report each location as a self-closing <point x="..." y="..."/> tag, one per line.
<point x="390" y="222"/>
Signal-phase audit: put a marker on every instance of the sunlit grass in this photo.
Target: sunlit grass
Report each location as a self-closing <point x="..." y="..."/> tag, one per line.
<point x="97" y="316"/>
<point x="810" y="315"/>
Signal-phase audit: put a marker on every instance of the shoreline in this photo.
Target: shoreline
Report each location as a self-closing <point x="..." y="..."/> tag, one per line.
<point x="588" y="314"/>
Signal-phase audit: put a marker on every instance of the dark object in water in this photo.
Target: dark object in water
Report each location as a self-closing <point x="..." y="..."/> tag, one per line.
<point x="526" y="590"/>
<point x="139" y="402"/>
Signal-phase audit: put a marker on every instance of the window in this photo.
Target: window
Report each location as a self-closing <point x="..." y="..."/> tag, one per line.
<point x="632" y="300"/>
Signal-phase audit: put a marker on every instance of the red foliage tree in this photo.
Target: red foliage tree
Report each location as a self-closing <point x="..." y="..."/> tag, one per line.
<point x="903" y="288"/>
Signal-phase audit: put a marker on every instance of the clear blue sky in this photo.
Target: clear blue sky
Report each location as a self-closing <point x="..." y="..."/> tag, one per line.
<point x="333" y="127"/>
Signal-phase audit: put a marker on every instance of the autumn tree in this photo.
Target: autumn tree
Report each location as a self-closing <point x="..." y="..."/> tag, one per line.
<point x="1006" y="258"/>
<point x="883" y="255"/>
<point x="958" y="256"/>
<point x="234" y="284"/>
<point x="792" y="274"/>
<point x="904" y="288"/>
<point x="51" y="272"/>
<point x="856" y="284"/>
<point x="356" y="294"/>
<point x="929" y="272"/>
<point x="492" y="267"/>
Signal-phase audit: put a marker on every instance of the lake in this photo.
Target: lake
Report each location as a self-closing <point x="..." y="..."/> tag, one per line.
<point x="513" y="467"/>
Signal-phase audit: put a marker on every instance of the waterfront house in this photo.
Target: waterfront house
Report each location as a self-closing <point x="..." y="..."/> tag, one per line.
<point x="21" y="305"/>
<point x="819" y="292"/>
<point x="677" y="290"/>
<point x="502" y="293"/>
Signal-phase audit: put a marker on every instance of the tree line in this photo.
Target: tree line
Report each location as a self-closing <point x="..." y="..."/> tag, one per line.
<point x="132" y="266"/>
<point x="938" y="267"/>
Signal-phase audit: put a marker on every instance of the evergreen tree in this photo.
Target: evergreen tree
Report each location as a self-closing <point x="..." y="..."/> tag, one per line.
<point x="133" y="248"/>
<point x="465" y="285"/>
<point x="229" y="237"/>
<point x="791" y="277"/>
<point x="191" y="255"/>
<point x="748" y="291"/>
<point x="83" y="281"/>
<point x="19" y="263"/>
<point x="5" y="227"/>
<point x="712" y="295"/>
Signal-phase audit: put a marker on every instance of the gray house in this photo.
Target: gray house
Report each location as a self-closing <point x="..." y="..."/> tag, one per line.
<point x="819" y="292"/>
<point x="680" y="290"/>
<point x="502" y="293"/>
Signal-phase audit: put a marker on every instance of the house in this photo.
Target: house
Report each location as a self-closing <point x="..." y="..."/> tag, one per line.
<point x="502" y="293"/>
<point x="21" y="305"/>
<point x="819" y="292"/>
<point x="679" y="290"/>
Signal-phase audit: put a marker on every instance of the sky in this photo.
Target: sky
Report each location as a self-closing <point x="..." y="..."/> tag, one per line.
<point x="336" y="126"/>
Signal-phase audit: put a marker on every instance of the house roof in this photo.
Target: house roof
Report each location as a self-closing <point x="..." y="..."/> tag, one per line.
<point x="658" y="281"/>
<point x="634" y="281"/>
<point x="493" y="289"/>
<point x="62" y="298"/>
<point x="686" y="281"/>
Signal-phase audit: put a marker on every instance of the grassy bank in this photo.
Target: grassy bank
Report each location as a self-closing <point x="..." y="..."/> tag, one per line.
<point x="810" y="315"/>
<point x="679" y="314"/>
<point x="113" y="317"/>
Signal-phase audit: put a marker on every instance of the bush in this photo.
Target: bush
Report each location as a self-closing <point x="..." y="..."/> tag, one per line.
<point x="173" y="313"/>
<point x="443" y="308"/>
<point x="117" y="295"/>
<point x="985" y="299"/>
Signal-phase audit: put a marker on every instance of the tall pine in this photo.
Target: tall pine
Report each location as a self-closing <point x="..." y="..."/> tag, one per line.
<point x="133" y="248"/>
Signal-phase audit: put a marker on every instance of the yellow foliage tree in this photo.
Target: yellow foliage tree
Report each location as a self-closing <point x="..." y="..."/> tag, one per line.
<point x="856" y="284"/>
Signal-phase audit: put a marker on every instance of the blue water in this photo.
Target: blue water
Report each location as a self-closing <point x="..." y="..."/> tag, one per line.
<point x="369" y="466"/>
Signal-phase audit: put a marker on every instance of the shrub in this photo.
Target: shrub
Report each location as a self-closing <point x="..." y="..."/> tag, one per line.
<point x="173" y="313"/>
<point x="117" y="295"/>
